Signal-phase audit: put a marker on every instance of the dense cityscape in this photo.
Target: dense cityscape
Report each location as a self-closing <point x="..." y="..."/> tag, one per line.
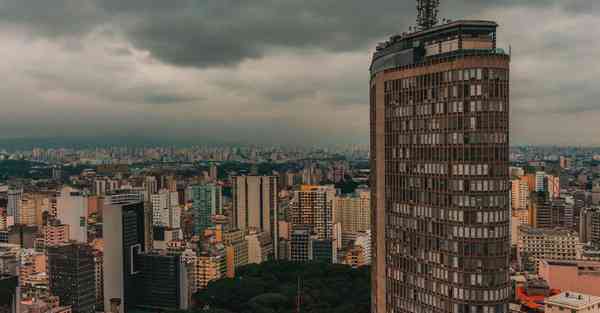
<point x="443" y="211"/>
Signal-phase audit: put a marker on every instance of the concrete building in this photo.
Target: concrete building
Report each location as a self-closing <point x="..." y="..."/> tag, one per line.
<point x="519" y="194"/>
<point x="124" y="239"/>
<point x="438" y="97"/>
<point x="589" y="225"/>
<point x="573" y="275"/>
<point x="71" y="276"/>
<point x="260" y="247"/>
<point x="165" y="209"/>
<point x="209" y="266"/>
<point x="72" y="210"/>
<point x="255" y="205"/>
<point x="9" y="293"/>
<point x="355" y="257"/>
<point x="207" y="201"/>
<point x="354" y="212"/>
<point x="163" y="282"/>
<point x="596" y="195"/>
<point x="572" y="302"/>
<point x="314" y="207"/>
<point x="548" y="244"/>
<point x="552" y="214"/>
<point x="14" y="205"/>
<point x="236" y="249"/>
<point x="55" y="233"/>
<point x="300" y="245"/>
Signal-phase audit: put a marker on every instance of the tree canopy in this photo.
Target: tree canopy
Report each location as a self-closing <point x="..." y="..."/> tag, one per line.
<point x="272" y="287"/>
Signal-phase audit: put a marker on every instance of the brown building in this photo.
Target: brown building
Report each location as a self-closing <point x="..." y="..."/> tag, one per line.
<point x="440" y="186"/>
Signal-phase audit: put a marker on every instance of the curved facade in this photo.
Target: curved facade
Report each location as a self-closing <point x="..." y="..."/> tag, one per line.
<point x="440" y="185"/>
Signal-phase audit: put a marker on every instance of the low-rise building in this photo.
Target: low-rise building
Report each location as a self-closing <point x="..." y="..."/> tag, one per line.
<point x="572" y="302"/>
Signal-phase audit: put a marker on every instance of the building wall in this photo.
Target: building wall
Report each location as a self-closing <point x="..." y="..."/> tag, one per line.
<point x="578" y="276"/>
<point x="402" y="182"/>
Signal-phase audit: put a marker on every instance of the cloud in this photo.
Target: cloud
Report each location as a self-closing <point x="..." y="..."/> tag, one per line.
<point x="275" y="71"/>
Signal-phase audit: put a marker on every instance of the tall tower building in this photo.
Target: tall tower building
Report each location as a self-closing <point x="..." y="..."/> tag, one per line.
<point x="439" y="102"/>
<point x="255" y="205"/>
<point x="124" y="240"/>
<point x="15" y="203"/>
<point x="72" y="276"/>
<point x="207" y="200"/>
<point x="313" y="207"/>
<point x="72" y="210"/>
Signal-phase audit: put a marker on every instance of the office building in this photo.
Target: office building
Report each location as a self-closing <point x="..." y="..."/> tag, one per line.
<point x="209" y="266"/>
<point x="439" y="164"/>
<point x="354" y="212"/>
<point x="9" y="293"/>
<point x="255" y="205"/>
<point x="573" y="275"/>
<point x="572" y="302"/>
<point x="236" y="249"/>
<point x="150" y="187"/>
<point x="207" y="201"/>
<point x="313" y="207"/>
<point x="124" y="238"/>
<point x="162" y="283"/>
<point x="552" y="214"/>
<point x="72" y="277"/>
<point x="519" y="194"/>
<point x="548" y="244"/>
<point x="165" y="209"/>
<point x="589" y="226"/>
<point x="55" y="233"/>
<point x="260" y="247"/>
<point x="72" y="210"/>
<point x="300" y="245"/>
<point x="14" y="205"/>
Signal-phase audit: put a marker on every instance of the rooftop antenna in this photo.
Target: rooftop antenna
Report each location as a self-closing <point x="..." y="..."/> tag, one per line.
<point x="427" y="13"/>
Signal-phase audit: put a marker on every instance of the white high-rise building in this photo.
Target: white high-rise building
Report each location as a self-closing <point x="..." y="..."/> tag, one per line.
<point x="255" y="205"/>
<point x="71" y="210"/>
<point x="14" y="206"/>
<point x="150" y="187"/>
<point x="165" y="209"/>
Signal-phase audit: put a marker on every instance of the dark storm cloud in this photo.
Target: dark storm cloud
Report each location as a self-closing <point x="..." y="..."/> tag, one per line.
<point x="268" y="65"/>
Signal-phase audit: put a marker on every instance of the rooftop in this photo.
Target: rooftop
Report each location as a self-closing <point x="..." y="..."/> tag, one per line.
<point x="573" y="300"/>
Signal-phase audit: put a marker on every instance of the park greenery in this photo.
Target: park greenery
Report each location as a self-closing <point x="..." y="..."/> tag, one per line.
<point x="272" y="287"/>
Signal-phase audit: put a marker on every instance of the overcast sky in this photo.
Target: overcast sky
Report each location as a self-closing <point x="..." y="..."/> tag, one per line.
<point x="267" y="71"/>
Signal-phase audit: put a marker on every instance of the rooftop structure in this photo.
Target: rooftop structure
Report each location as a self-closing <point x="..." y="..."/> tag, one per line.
<point x="573" y="301"/>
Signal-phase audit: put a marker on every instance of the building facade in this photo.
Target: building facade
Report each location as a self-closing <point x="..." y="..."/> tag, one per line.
<point x="255" y="205"/>
<point x="207" y="201"/>
<point x="439" y="106"/>
<point x="72" y="277"/>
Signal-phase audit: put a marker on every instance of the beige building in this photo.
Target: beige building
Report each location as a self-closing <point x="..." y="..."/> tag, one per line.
<point x="314" y="207"/>
<point x="255" y="204"/>
<point x="553" y="244"/>
<point x="236" y="249"/>
<point x="207" y="267"/>
<point x="572" y="302"/>
<point x="355" y="257"/>
<point x="260" y="247"/>
<point x="354" y="212"/>
<point x="519" y="194"/>
<point x="56" y="234"/>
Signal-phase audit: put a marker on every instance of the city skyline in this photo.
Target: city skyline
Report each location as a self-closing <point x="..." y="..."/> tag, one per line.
<point x="104" y="69"/>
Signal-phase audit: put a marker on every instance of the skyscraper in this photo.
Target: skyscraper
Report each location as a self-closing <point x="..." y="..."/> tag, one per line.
<point x="255" y="205"/>
<point x="72" y="210"/>
<point x="313" y="207"/>
<point x="207" y="200"/>
<point x="165" y="209"/>
<point x="124" y="239"/>
<point x="72" y="276"/>
<point x="439" y="147"/>
<point x="15" y="203"/>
